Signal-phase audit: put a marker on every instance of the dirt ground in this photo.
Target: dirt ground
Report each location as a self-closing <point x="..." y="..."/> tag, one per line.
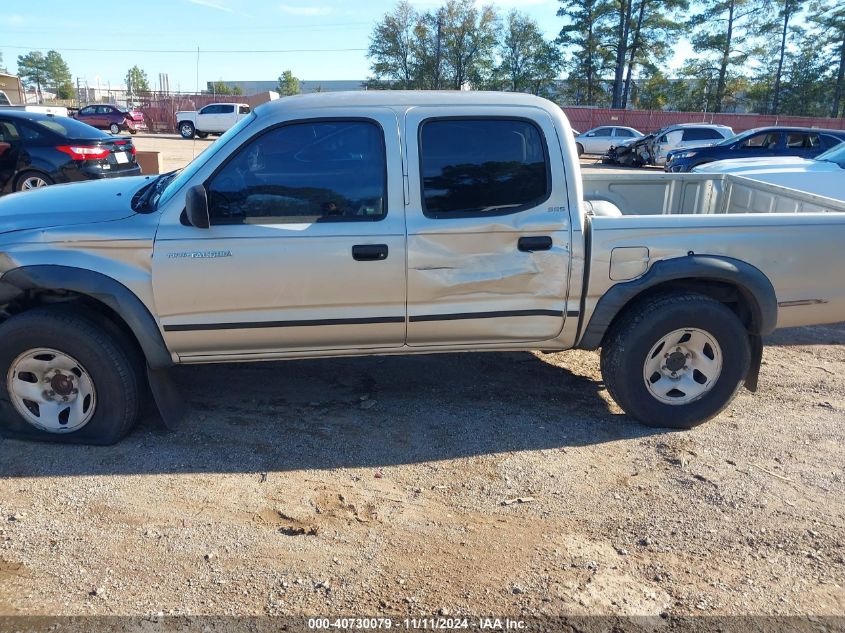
<point x="453" y="484"/>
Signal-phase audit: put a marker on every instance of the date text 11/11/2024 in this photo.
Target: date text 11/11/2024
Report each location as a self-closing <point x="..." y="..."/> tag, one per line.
<point x="417" y="624"/>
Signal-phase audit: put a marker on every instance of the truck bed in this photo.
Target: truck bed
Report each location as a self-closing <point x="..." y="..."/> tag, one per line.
<point x="700" y="194"/>
<point x="795" y="238"/>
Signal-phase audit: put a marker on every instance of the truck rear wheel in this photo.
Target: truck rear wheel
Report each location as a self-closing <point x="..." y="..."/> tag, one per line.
<point x="186" y="129"/>
<point x="675" y="361"/>
<point x="64" y="378"/>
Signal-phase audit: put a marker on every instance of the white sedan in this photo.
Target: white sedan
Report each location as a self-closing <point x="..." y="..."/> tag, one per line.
<point x="600" y="139"/>
<point x="822" y="175"/>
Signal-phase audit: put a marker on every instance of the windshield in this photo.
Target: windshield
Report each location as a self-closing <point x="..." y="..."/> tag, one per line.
<point x="835" y="154"/>
<point x="188" y="172"/>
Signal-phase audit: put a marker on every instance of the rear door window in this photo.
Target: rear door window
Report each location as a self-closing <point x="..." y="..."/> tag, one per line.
<point x="802" y="140"/>
<point x="482" y="166"/>
<point x="701" y="134"/>
<point x="620" y="131"/>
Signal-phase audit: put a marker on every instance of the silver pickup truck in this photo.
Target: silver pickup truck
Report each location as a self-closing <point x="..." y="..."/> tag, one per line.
<point x="401" y="223"/>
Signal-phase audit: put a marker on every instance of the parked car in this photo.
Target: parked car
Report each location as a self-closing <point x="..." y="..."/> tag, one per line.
<point x="759" y="142"/>
<point x="685" y="135"/>
<point x="214" y="118"/>
<point x="600" y="139"/>
<point x="37" y="150"/>
<point x="112" y="118"/>
<point x="487" y="246"/>
<point x="823" y="175"/>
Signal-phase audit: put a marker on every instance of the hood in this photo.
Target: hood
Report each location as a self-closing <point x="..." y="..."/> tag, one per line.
<point x="774" y="164"/>
<point x="66" y="205"/>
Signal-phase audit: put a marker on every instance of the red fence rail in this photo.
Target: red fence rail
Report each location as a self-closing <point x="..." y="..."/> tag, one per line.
<point x="647" y="121"/>
<point x="159" y="110"/>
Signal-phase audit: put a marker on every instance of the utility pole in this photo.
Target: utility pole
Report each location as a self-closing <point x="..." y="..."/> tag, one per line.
<point x="437" y="49"/>
<point x="78" y="94"/>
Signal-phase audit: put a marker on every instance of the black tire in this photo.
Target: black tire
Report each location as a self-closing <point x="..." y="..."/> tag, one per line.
<point x="186" y="129"/>
<point x="628" y="344"/>
<point x="580" y="149"/>
<point x="202" y="134"/>
<point x="133" y="132"/>
<point x="22" y="178"/>
<point x="114" y="128"/>
<point x="103" y="353"/>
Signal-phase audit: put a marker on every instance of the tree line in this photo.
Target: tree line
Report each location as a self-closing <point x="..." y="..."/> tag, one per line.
<point x="765" y="56"/>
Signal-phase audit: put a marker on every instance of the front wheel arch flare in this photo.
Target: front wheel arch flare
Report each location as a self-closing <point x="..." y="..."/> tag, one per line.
<point x="102" y="289"/>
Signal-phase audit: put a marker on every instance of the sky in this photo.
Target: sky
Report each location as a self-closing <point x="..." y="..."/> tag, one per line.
<point x="237" y="39"/>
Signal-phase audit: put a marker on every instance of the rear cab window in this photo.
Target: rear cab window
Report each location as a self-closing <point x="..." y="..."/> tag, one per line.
<point x="481" y="166"/>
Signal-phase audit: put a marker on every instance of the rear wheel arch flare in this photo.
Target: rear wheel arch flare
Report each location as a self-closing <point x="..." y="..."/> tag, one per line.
<point x="731" y="281"/>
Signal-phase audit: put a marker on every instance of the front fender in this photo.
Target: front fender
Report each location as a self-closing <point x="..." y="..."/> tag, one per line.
<point x="100" y="287"/>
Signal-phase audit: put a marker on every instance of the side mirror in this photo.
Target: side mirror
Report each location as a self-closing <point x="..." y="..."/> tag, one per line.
<point x="196" y="207"/>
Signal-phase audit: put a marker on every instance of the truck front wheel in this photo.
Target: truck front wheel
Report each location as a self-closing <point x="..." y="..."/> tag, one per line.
<point x="186" y="129"/>
<point x="64" y="378"/>
<point x="675" y="361"/>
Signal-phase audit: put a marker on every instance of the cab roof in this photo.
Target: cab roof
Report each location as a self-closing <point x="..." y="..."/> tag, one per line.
<point x="402" y="99"/>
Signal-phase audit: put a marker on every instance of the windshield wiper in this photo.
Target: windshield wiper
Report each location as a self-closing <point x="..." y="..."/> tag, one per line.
<point x="149" y="198"/>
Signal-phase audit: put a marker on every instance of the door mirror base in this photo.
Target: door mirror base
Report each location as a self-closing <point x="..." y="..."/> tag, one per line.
<point x="196" y="207"/>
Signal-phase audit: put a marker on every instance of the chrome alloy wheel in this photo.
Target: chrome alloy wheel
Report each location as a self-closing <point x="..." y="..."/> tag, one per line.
<point x="683" y="366"/>
<point x="51" y="390"/>
<point x="33" y="182"/>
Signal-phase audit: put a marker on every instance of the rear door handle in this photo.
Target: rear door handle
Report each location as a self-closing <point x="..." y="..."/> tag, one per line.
<point x="369" y="252"/>
<point x="534" y="243"/>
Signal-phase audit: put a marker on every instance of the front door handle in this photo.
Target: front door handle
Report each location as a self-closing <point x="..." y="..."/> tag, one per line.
<point x="369" y="252"/>
<point x="534" y="243"/>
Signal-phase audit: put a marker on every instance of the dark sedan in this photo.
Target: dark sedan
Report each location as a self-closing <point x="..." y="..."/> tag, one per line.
<point x="111" y="118"/>
<point x="37" y="150"/>
<point x="758" y="143"/>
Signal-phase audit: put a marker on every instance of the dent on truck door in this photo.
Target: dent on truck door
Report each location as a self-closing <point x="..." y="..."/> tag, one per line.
<point x="488" y="234"/>
<point x="306" y="250"/>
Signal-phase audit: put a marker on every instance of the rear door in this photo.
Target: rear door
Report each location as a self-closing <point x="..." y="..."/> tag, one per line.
<point x="488" y="234"/>
<point x="804" y="144"/>
<point x="225" y="117"/>
<point x="306" y="249"/>
<point x="621" y="135"/>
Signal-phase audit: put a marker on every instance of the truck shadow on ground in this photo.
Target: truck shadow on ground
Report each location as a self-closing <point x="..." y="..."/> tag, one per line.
<point x="353" y="412"/>
<point x="833" y="334"/>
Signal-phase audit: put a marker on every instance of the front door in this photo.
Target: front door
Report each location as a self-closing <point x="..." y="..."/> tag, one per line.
<point x="306" y="249"/>
<point x="488" y="233"/>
